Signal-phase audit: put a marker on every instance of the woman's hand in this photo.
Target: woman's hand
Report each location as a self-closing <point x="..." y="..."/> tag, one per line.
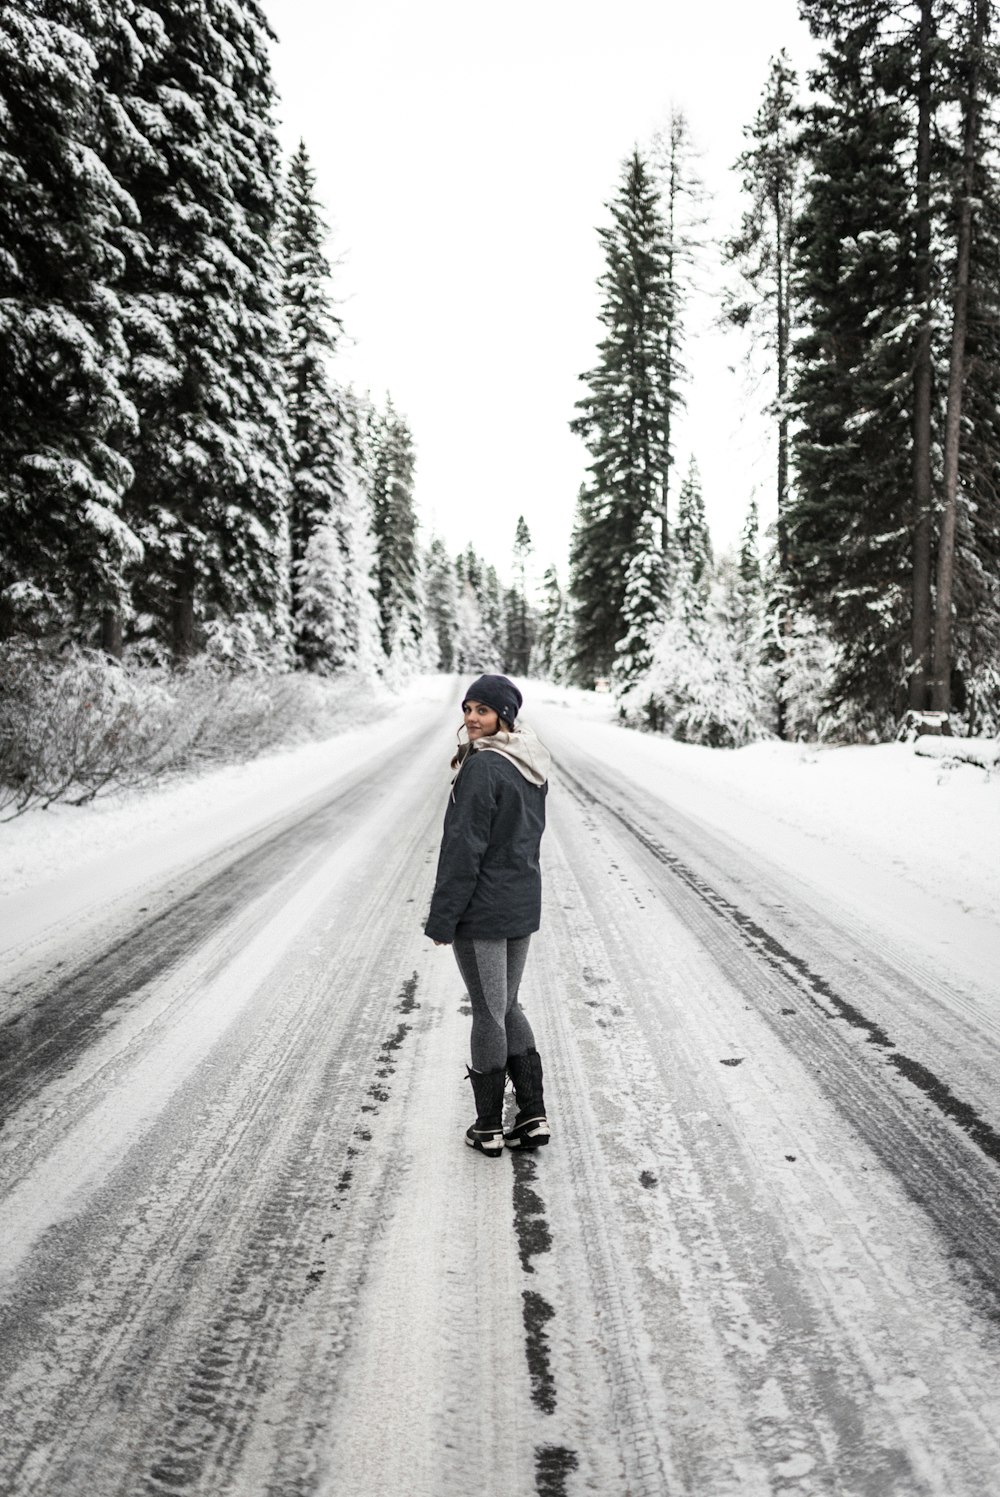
<point x="442" y="943"/>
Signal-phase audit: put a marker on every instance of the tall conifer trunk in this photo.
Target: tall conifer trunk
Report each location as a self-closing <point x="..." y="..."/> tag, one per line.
<point x="922" y="377"/>
<point x="941" y="684"/>
<point x="782" y="242"/>
<point x="182" y="613"/>
<point x="111" y="633"/>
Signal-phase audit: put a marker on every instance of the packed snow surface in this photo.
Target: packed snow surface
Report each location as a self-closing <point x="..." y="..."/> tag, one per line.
<point x="910" y="841"/>
<point x="934" y="826"/>
<point x="760" y="1256"/>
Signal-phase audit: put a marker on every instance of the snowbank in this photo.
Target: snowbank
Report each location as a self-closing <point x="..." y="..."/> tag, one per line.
<point x="846" y="819"/>
<point x="135" y="835"/>
<point x="905" y="840"/>
<point x="982" y="751"/>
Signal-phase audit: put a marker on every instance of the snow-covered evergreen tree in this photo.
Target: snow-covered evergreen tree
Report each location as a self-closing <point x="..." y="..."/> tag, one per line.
<point x="201" y="291"/>
<point x="321" y="620"/>
<point x="691" y="545"/>
<point x="316" y="424"/>
<point x="761" y="250"/>
<point x="848" y="533"/>
<point x="442" y="603"/>
<point x="675" y="163"/>
<point x="494" y="611"/>
<point x="364" y="623"/>
<point x="475" y="649"/>
<point x="401" y="597"/>
<point x="692" y="665"/>
<point x="697" y="688"/>
<point x="65" y="413"/>
<point x="646" y="592"/>
<point x="518" y="612"/>
<point x="623" y="418"/>
<point x="553" y="604"/>
<point x="807" y="676"/>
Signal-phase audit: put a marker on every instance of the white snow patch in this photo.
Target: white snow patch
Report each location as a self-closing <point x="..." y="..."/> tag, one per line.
<point x="57" y="863"/>
<point x="906" y="842"/>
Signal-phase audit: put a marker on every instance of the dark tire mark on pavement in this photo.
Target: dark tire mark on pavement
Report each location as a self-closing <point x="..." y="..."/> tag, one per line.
<point x="554" y="1464"/>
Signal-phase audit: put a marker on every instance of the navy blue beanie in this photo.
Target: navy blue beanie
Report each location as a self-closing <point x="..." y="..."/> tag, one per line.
<point x="496" y="692"/>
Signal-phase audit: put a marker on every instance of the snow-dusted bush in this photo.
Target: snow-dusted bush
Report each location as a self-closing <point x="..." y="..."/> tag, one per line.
<point x="697" y="688"/>
<point x="247" y="643"/>
<point x="72" y="725"/>
<point x="76" y="725"/>
<point x="804" y="668"/>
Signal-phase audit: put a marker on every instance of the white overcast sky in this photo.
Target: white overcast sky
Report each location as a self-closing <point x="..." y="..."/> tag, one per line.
<point x="464" y="154"/>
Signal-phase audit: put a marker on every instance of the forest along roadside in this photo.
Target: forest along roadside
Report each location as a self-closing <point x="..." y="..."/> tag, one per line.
<point x="806" y="1230"/>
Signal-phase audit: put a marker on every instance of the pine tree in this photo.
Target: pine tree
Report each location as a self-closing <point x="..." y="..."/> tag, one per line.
<point x="552" y="606"/>
<point x="494" y="611"/>
<point x="400" y="585"/>
<point x="691" y="546"/>
<point x="320" y="617"/>
<point x="977" y="78"/>
<point x="364" y="623"/>
<point x="911" y="142"/>
<point x="475" y="648"/>
<point x="517" y="609"/>
<point x="682" y="197"/>
<point x="624" y="417"/>
<point x="442" y="603"/>
<point x="646" y="592"/>
<point x="316" y="428"/>
<point x="749" y="554"/>
<point x="65" y="415"/>
<point x="201" y="291"/>
<point x="849" y="522"/>
<point x="976" y="595"/>
<point x="762" y="252"/>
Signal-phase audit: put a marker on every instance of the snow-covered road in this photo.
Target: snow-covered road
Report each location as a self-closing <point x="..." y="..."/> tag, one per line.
<point x="245" y="1252"/>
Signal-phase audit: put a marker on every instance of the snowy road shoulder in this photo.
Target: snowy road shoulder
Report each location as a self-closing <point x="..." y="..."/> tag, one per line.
<point x="904" y="844"/>
<point x="63" y="869"/>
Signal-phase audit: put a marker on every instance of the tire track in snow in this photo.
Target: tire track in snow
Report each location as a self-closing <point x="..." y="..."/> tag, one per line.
<point x="287" y="1257"/>
<point x="776" y="1301"/>
<point x="439" y="1343"/>
<point x="215" y="1274"/>
<point x="938" y="1172"/>
<point x="60" y="1018"/>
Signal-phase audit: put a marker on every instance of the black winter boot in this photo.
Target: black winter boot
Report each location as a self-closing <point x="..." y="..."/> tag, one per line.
<point x="486" y="1133"/>
<point x="530" y="1130"/>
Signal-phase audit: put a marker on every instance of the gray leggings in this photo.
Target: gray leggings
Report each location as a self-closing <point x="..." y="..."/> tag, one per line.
<point x="492" y="971"/>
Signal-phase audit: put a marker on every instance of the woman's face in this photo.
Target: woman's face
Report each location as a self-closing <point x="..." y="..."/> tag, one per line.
<point x="480" y="721"/>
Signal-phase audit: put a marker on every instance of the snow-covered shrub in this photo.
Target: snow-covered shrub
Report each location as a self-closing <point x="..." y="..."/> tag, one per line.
<point x="804" y="668"/>
<point x="76" y="725"/>
<point x="697" y="689"/>
<point x="705" y="682"/>
<point x="246" y="643"/>
<point x="73" y="725"/>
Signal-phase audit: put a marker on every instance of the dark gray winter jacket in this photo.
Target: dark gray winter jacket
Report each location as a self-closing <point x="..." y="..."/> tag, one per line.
<point x="488" y="880"/>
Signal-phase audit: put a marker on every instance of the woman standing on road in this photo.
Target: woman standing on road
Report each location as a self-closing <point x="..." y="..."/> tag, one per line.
<point x="487" y="904"/>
